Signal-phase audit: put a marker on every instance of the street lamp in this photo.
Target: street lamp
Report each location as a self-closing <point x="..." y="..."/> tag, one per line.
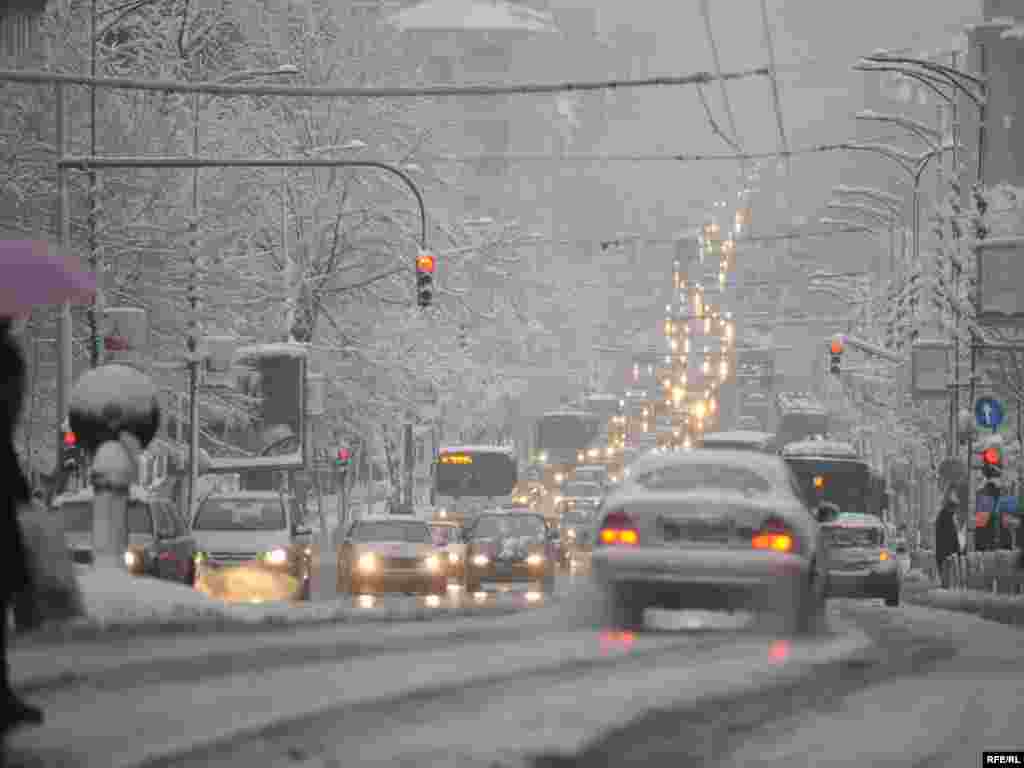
<point x="938" y="78"/>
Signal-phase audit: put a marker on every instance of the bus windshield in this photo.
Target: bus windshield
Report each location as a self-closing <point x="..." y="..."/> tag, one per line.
<point x="475" y="473"/>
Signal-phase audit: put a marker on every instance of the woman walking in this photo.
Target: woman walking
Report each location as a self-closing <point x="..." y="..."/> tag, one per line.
<point x="31" y="275"/>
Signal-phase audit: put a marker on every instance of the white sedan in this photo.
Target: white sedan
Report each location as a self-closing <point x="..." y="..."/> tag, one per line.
<point x="710" y="530"/>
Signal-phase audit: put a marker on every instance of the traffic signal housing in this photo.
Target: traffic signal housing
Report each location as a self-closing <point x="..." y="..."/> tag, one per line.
<point x="343" y="459"/>
<point x="991" y="463"/>
<point x="425" y="264"/>
<point x="835" y="357"/>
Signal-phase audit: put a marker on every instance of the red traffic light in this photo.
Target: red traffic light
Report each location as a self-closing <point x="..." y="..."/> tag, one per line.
<point x="425" y="262"/>
<point x="837" y="347"/>
<point x="70" y="439"/>
<point x="991" y="456"/>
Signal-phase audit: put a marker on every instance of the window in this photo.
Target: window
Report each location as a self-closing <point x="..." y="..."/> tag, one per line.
<point x="415" y="533"/>
<point x="686" y="477"/>
<point x="500" y="526"/>
<point x="240" y="515"/>
<point x="851" y="538"/>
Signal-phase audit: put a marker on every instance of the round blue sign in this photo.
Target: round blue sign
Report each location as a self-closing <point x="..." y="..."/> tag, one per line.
<point x="988" y="412"/>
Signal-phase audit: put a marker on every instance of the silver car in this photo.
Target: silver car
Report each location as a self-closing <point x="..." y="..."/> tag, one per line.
<point x="712" y="530"/>
<point x="861" y="560"/>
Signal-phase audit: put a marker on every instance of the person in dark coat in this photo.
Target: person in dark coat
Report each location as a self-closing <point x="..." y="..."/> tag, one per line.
<point x="14" y="492"/>
<point x="947" y="542"/>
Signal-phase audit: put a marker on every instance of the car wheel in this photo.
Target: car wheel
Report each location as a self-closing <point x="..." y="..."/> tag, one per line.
<point x="623" y="607"/>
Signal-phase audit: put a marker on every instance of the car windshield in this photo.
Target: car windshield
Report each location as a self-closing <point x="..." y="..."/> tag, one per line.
<point x="848" y="537"/>
<point x="692" y="476"/>
<point x="442" y="535"/>
<point x="240" y="515"/>
<point x="413" y="533"/>
<point x="78" y="517"/>
<point x="495" y="526"/>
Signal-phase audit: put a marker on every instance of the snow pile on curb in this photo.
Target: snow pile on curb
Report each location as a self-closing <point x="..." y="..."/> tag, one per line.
<point x="117" y="602"/>
<point x="1005" y="609"/>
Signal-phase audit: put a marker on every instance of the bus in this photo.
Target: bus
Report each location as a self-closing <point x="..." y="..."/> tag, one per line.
<point x="834" y="472"/>
<point x="469" y="479"/>
<point x="801" y="417"/>
<point x="561" y="435"/>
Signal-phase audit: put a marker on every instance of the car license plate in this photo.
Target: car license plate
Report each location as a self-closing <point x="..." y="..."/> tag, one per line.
<point x="697" y="530"/>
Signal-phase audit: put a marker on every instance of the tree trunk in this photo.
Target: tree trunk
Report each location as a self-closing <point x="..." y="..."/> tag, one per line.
<point x="394" y="471"/>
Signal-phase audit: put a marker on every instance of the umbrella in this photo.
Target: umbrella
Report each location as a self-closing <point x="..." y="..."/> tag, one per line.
<point x="33" y="274"/>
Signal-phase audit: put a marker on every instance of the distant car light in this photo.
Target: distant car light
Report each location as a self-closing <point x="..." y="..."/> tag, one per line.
<point x="432" y="563"/>
<point x="883" y="555"/>
<point x="368" y="563"/>
<point x="481" y="560"/>
<point x="453" y="557"/>
<point x="131" y="559"/>
<point x="277" y="556"/>
<point x="572" y="533"/>
<point x="535" y="560"/>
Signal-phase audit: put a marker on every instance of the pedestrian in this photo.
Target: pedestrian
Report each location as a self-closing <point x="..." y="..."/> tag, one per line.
<point x="14" y="570"/>
<point x="31" y="275"/>
<point x="947" y="533"/>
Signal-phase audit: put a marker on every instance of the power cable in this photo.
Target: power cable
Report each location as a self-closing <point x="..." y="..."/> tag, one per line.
<point x="773" y="77"/>
<point x="582" y="157"/>
<point x="705" y="9"/>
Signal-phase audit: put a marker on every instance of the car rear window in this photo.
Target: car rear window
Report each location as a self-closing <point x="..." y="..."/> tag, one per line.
<point x="415" y="533"/>
<point x="848" y="537"/>
<point x="499" y="526"/>
<point x="688" y="477"/>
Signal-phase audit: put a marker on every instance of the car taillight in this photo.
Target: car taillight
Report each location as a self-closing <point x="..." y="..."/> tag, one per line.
<point x="774" y="536"/>
<point x="618" y="528"/>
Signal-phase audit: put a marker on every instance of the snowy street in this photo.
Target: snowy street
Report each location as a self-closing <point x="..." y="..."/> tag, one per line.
<point x="472" y="691"/>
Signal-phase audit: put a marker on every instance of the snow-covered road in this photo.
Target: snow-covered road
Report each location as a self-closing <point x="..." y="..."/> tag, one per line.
<point x="375" y="694"/>
<point x="904" y="686"/>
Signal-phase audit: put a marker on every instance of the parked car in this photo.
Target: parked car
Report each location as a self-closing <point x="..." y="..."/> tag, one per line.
<point x="256" y="529"/>
<point x="390" y="555"/>
<point x="448" y="540"/>
<point x="517" y="548"/>
<point x="861" y="563"/>
<point x="710" y="529"/>
<point x="159" y="543"/>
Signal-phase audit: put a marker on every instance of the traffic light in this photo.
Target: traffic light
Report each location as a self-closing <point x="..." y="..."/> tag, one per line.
<point x="343" y="459"/>
<point x="991" y="463"/>
<point x="425" y="264"/>
<point x="70" y="459"/>
<point x="836" y="357"/>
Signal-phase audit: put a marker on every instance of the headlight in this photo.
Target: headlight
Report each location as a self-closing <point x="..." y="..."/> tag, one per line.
<point x="131" y="559"/>
<point x="432" y="563"/>
<point x="276" y="557"/>
<point x="535" y="559"/>
<point x="480" y="560"/>
<point x="367" y="563"/>
<point x="453" y="557"/>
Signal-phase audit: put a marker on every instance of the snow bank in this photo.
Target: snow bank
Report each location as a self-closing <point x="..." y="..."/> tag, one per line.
<point x="1005" y="609"/>
<point x="118" y="603"/>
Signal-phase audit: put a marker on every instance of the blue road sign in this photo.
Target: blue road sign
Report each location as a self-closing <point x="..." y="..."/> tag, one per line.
<point x="989" y="413"/>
